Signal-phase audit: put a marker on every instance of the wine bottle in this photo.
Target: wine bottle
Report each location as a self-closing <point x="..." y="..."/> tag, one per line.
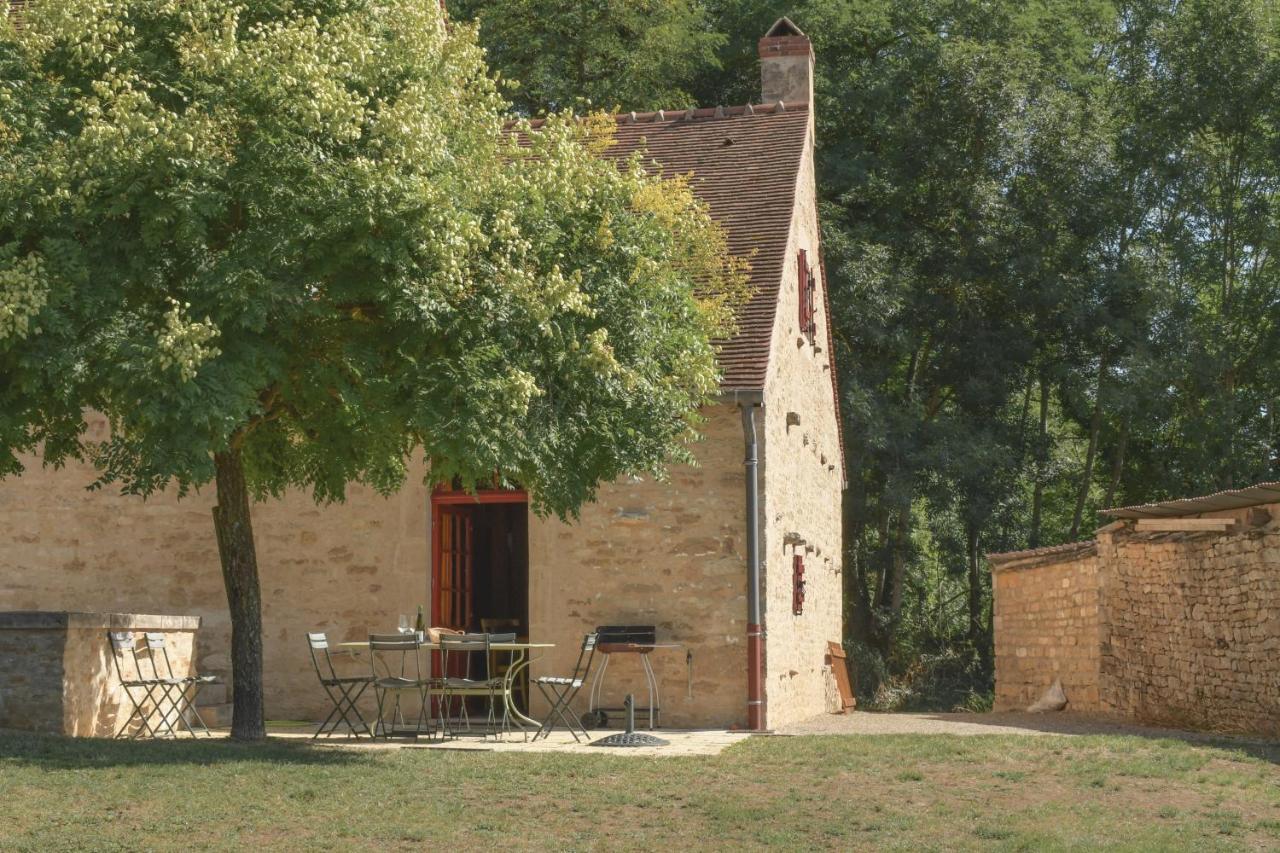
<point x="421" y="626"/>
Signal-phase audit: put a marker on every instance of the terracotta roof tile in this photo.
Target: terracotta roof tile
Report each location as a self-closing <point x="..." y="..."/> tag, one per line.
<point x="744" y="163"/>
<point x="1067" y="549"/>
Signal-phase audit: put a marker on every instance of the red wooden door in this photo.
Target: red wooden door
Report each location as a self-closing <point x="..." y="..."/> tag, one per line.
<point x="453" y="593"/>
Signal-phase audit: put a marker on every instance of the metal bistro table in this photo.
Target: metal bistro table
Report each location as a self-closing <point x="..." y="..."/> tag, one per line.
<point x="519" y="660"/>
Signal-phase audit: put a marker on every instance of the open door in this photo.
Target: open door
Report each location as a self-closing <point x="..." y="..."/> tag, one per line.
<point x="480" y="560"/>
<point x="480" y="566"/>
<point x="453" y="590"/>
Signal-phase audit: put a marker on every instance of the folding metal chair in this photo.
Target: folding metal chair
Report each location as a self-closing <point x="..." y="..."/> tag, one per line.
<point x="490" y="684"/>
<point x="394" y="652"/>
<point x="123" y="644"/>
<point x="165" y="698"/>
<point x="501" y="662"/>
<point x="180" y="690"/>
<point x="343" y="691"/>
<point x="560" y="691"/>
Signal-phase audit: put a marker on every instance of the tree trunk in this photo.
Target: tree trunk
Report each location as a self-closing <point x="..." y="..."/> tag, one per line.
<point x="1022" y="421"/>
<point x="1095" y="429"/>
<point x="902" y="543"/>
<point x="1117" y="464"/>
<point x="891" y="589"/>
<point x="1042" y="452"/>
<point x="889" y="594"/>
<point x="239" y="557"/>
<point x="975" y="631"/>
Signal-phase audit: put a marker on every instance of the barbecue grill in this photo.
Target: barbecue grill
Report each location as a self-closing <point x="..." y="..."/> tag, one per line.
<point x="639" y="640"/>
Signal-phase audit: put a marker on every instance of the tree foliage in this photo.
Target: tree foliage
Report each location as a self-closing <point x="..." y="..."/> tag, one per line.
<point x="294" y="244"/>
<point x="300" y="227"/>
<point x="598" y="53"/>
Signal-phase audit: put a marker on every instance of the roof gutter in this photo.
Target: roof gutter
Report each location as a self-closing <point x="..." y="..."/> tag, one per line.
<point x="749" y="401"/>
<point x="741" y="397"/>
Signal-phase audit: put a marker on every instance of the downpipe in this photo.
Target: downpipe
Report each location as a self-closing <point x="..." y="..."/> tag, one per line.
<point x="749" y="403"/>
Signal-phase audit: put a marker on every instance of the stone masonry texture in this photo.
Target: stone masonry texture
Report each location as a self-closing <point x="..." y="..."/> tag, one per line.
<point x="58" y="675"/>
<point x="1047" y="628"/>
<point x="801" y="485"/>
<point x="669" y="554"/>
<point x="1188" y="625"/>
<point x="346" y="569"/>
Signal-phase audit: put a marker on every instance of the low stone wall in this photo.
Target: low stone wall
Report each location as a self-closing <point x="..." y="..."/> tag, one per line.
<point x="1194" y="630"/>
<point x="1047" y="627"/>
<point x="1170" y="628"/>
<point x="57" y="672"/>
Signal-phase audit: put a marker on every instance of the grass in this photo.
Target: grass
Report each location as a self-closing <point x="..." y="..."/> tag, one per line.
<point x="896" y="792"/>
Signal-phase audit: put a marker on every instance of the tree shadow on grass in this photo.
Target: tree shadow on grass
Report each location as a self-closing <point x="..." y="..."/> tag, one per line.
<point x="1068" y="723"/>
<point x="56" y="752"/>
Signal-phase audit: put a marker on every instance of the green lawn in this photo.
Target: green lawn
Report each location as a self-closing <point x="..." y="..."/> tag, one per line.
<point x="918" y="791"/>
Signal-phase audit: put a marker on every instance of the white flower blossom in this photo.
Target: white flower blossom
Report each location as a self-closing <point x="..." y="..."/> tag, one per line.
<point x="23" y="292"/>
<point x="184" y="343"/>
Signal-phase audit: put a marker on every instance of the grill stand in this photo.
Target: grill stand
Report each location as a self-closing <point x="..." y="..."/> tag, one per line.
<point x="598" y="715"/>
<point x="631" y="737"/>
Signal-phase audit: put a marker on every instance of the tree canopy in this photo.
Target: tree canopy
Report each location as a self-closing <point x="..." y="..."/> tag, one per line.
<point x="602" y="54"/>
<point x="295" y="243"/>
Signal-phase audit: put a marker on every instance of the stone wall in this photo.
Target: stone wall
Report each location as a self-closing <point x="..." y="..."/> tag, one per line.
<point x="1047" y="628"/>
<point x="670" y="554"/>
<point x="1170" y="628"/>
<point x="58" y="673"/>
<point x="346" y="569"/>
<point x="1193" y="628"/>
<point x="801" y="485"/>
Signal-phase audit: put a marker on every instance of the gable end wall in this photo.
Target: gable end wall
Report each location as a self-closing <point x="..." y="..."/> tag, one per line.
<point x="801" y="485"/>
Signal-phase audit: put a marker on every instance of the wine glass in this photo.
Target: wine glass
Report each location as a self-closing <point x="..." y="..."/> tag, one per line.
<point x="404" y="623"/>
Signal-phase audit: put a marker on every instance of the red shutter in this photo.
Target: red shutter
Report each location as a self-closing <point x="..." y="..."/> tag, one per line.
<point x="805" y="291"/>
<point x="812" y="328"/>
<point x="797" y="584"/>
<point x="802" y="291"/>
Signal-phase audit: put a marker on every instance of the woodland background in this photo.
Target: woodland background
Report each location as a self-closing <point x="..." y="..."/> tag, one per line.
<point x="1049" y="229"/>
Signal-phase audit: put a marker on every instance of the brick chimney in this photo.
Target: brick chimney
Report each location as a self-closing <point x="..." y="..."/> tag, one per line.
<point x="786" y="65"/>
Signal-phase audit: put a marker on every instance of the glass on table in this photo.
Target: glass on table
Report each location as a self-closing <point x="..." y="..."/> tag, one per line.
<point x="404" y="623"/>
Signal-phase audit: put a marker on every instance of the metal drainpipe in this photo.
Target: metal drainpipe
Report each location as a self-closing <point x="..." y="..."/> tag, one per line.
<point x="755" y="631"/>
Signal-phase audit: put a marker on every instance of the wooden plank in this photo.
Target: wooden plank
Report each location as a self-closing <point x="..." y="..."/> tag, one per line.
<point x="1121" y="524"/>
<point x="1167" y="525"/>
<point x="840" y="667"/>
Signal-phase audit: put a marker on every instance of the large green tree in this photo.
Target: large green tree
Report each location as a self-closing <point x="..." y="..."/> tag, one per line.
<point x="608" y="54"/>
<point x="292" y="244"/>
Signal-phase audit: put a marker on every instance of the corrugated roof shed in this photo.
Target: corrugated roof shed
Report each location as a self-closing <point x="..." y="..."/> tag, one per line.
<point x="1259" y="493"/>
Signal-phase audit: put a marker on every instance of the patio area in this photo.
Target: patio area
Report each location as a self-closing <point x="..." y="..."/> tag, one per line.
<point x="680" y="742"/>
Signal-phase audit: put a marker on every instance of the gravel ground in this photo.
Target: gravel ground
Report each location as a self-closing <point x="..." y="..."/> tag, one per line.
<point x="1004" y="723"/>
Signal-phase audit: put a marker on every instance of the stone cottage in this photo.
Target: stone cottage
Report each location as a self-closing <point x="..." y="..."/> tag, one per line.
<point x="1169" y="615"/>
<point x="739" y="562"/>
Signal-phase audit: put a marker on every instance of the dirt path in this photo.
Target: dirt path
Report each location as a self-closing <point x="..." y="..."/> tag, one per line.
<point x="1005" y="723"/>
